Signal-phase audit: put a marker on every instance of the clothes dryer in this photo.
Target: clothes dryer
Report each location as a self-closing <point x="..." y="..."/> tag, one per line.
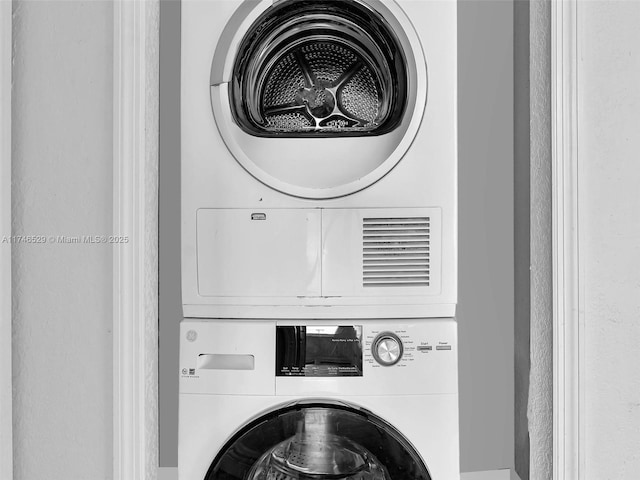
<point x="319" y="158"/>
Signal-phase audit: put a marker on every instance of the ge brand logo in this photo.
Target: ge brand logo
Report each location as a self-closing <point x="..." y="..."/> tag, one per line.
<point x="192" y="335"/>
<point x="185" y="371"/>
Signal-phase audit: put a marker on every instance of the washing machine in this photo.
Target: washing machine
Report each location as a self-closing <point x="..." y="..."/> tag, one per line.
<point x="316" y="399"/>
<point x="319" y="158"/>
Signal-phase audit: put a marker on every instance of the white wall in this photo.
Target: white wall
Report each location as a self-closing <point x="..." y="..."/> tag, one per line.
<point x="609" y="233"/>
<point x="62" y="177"/>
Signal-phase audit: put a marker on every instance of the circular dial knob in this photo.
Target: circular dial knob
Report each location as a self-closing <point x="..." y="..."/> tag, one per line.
<point x="387" y="349"/>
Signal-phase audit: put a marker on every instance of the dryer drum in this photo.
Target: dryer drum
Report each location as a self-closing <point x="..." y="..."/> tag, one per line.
<point x="319" y="68"/>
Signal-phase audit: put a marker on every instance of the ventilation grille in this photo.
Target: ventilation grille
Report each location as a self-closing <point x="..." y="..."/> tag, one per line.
<point x="395" y="252"/>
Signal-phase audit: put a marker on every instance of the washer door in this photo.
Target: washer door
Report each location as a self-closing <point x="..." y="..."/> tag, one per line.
<point x="318" y="441"/>
<point x="318" y="99"/>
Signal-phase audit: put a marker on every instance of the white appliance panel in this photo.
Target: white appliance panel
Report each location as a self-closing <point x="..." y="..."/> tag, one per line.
<point x="259" y="252"/>
<point x="255" y="339"/>
<point x="428" y="364"/>
<point x="428" y="422"/>
<point x="381" y="252"/>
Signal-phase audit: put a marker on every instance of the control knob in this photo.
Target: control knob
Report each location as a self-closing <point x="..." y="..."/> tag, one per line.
<point x="387" y="349"/>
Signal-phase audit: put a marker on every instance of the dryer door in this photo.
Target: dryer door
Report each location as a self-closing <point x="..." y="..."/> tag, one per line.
<point x="318" y="99"/>
<point x="318" y="441"/>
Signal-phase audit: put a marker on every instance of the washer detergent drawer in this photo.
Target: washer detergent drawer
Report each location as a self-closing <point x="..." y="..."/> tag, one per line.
<point x="259" y="253"/>
<point x="227" y="356"/>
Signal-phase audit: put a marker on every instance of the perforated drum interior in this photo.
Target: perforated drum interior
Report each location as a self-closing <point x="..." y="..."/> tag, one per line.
<point x="319" y="68"/>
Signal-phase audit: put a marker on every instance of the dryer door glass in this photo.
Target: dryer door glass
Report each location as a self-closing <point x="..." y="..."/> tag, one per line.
<point x="318" y="441"/>
<point x="319" y="98"/>
<point x="319" y="68"/>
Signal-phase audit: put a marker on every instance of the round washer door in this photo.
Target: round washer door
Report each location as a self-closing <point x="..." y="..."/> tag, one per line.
<point x="318" y="441"/>
<point x="318" y="99"/>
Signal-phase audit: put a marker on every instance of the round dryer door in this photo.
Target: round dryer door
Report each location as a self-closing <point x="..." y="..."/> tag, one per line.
<point x="318" y="99"/>
<point x="318" y="441"/>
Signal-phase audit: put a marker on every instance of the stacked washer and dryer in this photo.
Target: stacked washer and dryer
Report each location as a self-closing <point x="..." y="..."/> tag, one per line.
<point x="319" y="212"/>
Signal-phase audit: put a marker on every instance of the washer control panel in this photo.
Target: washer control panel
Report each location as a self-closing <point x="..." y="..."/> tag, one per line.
<point x="317" y="358"/>
<point x="402" y="345"/>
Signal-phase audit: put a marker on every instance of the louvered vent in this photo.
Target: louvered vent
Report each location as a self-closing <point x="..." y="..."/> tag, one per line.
<point x="395" y="252"/>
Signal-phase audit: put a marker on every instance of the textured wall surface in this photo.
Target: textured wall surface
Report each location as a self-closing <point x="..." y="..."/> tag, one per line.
<point x="609" y="233"/>
<point x="62" y="177"/>
<point x="169" y="233"/>
<point x="540" y="410"/>
<point x="152" y="99"/>
<point x="522" y="234"/>
<point x="485" y="235"/>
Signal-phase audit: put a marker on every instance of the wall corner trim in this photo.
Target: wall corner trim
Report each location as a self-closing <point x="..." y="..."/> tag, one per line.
<point x="568" y="316"/>
<point x="135" y="215"/>
<point x="6" y="395"/>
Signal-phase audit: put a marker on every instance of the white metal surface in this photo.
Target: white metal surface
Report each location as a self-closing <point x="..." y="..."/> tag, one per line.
<point x="264" y="307"/>
<point x="214" y="177"/>
<point x="256" y="338"/>
<point x="282" y="247"/>
<point x="344" y="241"/>
<point x="321" y="256"/>
<point x="418" y="396"/>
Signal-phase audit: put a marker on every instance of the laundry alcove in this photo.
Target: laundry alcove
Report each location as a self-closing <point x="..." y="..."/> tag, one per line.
<point x="486" y="265"/>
